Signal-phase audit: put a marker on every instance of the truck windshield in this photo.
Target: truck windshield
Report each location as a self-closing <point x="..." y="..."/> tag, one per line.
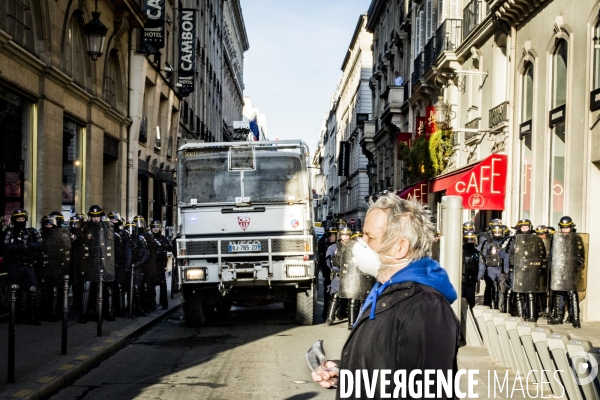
<point x="279" y="176"/>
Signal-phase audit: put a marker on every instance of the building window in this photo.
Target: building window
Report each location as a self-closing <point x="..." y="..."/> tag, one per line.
<point x="557" y="167"/>
<point x="157" y="144"/>
<point x="16" y="19"/>
<point x="72" y="166"/>
<point x="527" y="99"/>
<point x="75" y="52"/>
<point x="526" y="141"/>
<point x="500" y="83"/>
<point x="110" y="82"/>
<point x="596" y="57"/>
<point x="559" y="92"/>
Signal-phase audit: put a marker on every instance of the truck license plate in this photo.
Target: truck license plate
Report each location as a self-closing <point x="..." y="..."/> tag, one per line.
<point x="236" y="248"/>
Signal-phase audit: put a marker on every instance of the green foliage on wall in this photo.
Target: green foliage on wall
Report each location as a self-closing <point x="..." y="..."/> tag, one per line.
<point x="441" y="148"/>
<point x="426" y="159"/>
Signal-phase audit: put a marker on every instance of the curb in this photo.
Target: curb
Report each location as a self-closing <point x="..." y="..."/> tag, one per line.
<point x="81" y="368"/>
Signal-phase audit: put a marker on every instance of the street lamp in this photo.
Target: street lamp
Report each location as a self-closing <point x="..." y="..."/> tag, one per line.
<point x="442" y="111"/>
<point x="96" y="33"/>
<point x="371" y="168"/>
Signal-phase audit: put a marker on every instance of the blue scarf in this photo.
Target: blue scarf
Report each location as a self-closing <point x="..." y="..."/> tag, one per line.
<point x="424" y="271"/>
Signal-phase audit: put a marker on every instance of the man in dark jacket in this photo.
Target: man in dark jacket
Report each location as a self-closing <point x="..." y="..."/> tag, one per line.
<point x="406" y="323"/>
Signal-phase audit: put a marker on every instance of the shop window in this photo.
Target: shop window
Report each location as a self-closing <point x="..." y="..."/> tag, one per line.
<point x="72" y="166"/>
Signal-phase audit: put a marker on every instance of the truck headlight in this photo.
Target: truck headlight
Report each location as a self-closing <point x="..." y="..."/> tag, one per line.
<point x="196" y="274"/>
<point x="295" y="271"/>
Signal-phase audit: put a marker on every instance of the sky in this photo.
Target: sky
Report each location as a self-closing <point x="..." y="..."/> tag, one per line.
<point x="295" y="59"/>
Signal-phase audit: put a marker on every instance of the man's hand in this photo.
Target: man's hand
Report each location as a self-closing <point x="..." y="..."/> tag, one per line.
<point x="326" y="377"/>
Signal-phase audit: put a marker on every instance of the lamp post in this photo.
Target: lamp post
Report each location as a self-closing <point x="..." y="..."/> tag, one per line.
<point x="96" y="33"/>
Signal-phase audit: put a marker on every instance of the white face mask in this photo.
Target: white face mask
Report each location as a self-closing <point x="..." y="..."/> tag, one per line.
<point x="368" y="260"/>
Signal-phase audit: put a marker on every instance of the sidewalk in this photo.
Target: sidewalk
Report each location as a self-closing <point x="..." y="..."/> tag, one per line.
<point x="40" y="370"/>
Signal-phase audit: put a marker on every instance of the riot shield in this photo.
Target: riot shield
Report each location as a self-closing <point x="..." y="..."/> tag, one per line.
<point x="531" y="265"/>
<point x="354" y="284"/>
<point x="57" y="256"/>
<point x="568" y="271"/>
<point x="152" y="273"/>
<point x="95" y="251"/>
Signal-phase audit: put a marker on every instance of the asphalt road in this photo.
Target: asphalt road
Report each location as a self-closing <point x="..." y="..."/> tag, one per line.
<point x="254" y="353"/>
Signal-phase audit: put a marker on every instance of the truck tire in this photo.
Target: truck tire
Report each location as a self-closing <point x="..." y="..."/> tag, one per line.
<point x="192" y="307"/>
<point x="306" y="302"/>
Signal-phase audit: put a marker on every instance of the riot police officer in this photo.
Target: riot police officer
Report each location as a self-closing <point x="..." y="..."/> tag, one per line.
<point x="470" y="267"/>
<point x="492" y="263"/>
<point x="122" y="263"/>
<point x="163" y="247"/>
<point x="326" y="241"/>
<point x="487" y="234"/>
<point x="56" y="264"/>
<point x="526" y="307"/>
<point x="561" y="243"/>
<point x="150" y="270"/>
<point x="543" y="233"/>
<point x="22" y="249"/>
<point x="468" y="226"/>
<point x="139" y="258"/>
<point x="95" y="241"/>
<point x="334" y="261"/>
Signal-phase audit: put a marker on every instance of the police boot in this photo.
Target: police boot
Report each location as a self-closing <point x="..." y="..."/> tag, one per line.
<point x="85" y="300"/>
<point x="574" y="300"/>
<point x="164" y="301"/>
<point x="138" y="310"/>
<point x="110" y="306"/>
<point x="557" y="313"/>
<point x="520" y="306"/>
<point x="501" y="302"/>
<point x="353" y="309"/>
<point x="495" y="295"/>
<point x="32" y="298"/>
<point x="332" y="310"/>
<point x="507" y="298"/>
<point x="326" y="298"/>
<point x="533" y="317"/>
<point x="151" y="297"/>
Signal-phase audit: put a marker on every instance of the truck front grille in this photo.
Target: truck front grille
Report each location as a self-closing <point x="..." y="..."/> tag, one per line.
<point x="210" y="248"/>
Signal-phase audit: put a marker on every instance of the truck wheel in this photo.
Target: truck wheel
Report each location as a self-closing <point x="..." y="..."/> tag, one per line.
<point x="192" y="307"/>
<point x="306" y="302"/>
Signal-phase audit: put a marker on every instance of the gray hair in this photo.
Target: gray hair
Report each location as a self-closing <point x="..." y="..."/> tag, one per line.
<point x="406" y="220"/>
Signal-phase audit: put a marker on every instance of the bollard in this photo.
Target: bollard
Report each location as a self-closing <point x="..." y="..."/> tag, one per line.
<point x="63" y="343"/>
<point x="99" y="295"/>
<point x="131" y="293"/>
<point x="11" y="334"/>
<point x="451" y="247"/>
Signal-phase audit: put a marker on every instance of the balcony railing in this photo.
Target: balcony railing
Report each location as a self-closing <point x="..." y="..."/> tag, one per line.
<point x="470" y="135"/>
<point x="473" y="14"/>
<point x="448" y="36"/>
<point x="430" y="54"/>
<point x="418" y="67"/>
<point x="499" y="114"/>
<point x="393" y="96"/>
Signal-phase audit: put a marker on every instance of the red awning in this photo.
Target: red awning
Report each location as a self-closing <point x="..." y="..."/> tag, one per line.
<point x="444" y="181"/>
<point x="483" y="187"/>
<point x="417" y="191"/>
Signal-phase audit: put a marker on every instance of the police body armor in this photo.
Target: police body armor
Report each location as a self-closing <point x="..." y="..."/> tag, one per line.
<point x="492" y="255"/>
<point x="530" y="264"/>
<point x="470" y="264"/>
<point x="91" y="258"/>
<point x="57" y="256"/>
<point x="568" y="271"/>
<point x="354" y="284"/>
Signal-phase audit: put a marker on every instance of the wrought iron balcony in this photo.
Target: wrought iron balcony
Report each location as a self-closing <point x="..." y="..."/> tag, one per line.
<point x="430" y="53"/>
<point x="448" y="36"/>
<point x="498" y="114"/>
<point x="470" y="135"/>
<point x="473" y="14"/>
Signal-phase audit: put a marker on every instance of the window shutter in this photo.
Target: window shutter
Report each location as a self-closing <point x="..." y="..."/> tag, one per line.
<point x="455" y="11"/>
<point x="422" y="31"/>
<point x="499" y="75"/>
<point x="441" y="11"/>
<point x="429" y="19"/>
<point x="418" y="35"/>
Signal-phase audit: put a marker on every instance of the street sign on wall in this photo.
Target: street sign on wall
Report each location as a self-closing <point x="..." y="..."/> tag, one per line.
<point x="187" y="50"/>
<point x="344" y="159"/>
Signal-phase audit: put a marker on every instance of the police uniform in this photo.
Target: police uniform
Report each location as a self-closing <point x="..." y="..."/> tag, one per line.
<point x="470" y="267"/>
<point x="334" y="261"/>
<point x="324" y="245"/>
<point x="22" y="249"/>
<point x="492" y="265"/>
<point x="139" y="258"/>
<point x="163" y="247"/>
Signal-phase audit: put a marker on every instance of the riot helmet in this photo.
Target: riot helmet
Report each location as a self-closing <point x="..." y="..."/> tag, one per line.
<point x="81" y="216"/>
<point x="19" y="218"/>
<point x="156" y="225"/>
<point x="551" y="230"/>
<point x="541" y="230"/>
<point x="356" y="235"/>
<point x="524" y="226"/>
<point x="470" y="237"/>
<point x="332" y="232"/>
<point x="566" y="223"/>
<point x="49" y="221"/>
<point x="468" y="226"/>
<point x="340" y="224"/>
<point x="130" y="227"/>
<point x="114" y="215"/>
<point x="497" y="231"/>
<point x="75" y="222"/>
<point x="139" y="222"/>
<point x="495" y="221"/>
<point x="96" y="211"/>
<point x="505" y="230"/>
<point x="344" y="234"/>
<point x="60" y="219"/>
